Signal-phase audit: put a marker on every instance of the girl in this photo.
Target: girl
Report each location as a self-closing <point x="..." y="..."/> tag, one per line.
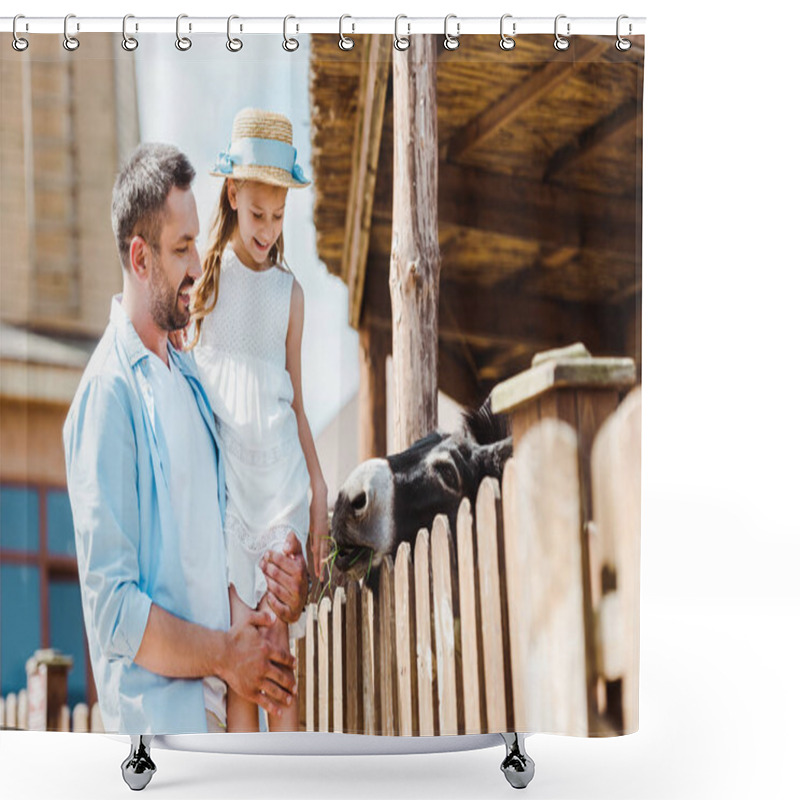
<point x="248" y="317"/>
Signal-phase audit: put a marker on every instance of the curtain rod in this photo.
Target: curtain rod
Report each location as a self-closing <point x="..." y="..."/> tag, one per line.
<point x="190" y="25"/>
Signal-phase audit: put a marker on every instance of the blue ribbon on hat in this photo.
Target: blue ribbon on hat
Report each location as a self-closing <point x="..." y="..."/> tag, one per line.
<point x="259" y="152"/>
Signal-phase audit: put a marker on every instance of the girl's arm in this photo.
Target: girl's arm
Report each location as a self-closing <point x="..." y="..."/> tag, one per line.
<point x="319" y="489"/>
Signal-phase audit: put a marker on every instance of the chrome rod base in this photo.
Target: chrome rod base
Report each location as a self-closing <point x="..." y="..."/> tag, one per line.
<point x="138" y="768"/>
<point x="517" y="766"/>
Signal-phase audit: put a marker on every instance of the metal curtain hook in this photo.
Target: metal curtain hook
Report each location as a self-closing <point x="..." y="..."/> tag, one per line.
<point x="506" y="42"/>
<point x="289" y="45"/>
<point x="345" y="42"/>
<point x="234" y="45"/>
<point x="18" y="43"/>
<point x="451" y="42"/>
<point x="70" y="43"/>
<point x="183" y="43"/>
<point x="401" y="42"/>
<point x="129" y="43"/>
<point x="623" y="44"/>
<point x="560" y="42"/>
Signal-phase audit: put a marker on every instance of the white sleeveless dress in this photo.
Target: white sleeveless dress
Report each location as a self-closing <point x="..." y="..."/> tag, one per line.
<point x="241" y="358"/>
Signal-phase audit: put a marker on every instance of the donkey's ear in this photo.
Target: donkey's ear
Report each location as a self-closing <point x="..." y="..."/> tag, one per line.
<point x="492" y="457"/>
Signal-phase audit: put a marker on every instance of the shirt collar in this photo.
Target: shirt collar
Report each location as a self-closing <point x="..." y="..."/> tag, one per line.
<point x="131" y="343"/>
<point x="134" y="347"/>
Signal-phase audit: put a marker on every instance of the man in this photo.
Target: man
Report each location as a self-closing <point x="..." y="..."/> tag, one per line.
<point x="147" y="491"/>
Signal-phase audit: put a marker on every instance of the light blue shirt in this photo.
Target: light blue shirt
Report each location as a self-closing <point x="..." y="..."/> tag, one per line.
<point x="128" y="542"/>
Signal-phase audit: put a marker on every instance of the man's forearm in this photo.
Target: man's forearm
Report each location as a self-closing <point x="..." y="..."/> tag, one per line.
<point x="175" y="648"/>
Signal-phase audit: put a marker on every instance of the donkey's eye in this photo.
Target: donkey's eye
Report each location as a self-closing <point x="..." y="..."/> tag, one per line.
<point x="448" y="475"/>
<point x="359" y="502"/>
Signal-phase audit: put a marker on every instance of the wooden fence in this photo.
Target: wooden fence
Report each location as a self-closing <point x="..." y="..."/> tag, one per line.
<point x="522" y="619"/>
<point x="14" y="715"/>
<point x="502" y="624"/>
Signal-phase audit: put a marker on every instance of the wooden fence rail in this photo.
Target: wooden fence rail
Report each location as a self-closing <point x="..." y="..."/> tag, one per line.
<point x="489" y="632"/>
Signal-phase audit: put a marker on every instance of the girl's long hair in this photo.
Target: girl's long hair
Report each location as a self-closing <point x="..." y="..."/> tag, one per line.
<point x="206" y="292"/>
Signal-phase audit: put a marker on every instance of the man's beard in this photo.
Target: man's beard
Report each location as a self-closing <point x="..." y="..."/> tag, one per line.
<point x="165" y="306"/>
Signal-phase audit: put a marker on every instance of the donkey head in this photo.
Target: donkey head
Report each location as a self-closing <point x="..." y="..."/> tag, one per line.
<point x="385" y="501"/>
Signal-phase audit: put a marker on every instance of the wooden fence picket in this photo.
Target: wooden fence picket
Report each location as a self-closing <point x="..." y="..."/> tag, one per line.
<point x="444" y="626"/>
<point x="339" y="656"/>
<point x="516" y="593"/>
<point x="386" y="649"/>
<point x="491" y="612"/>
<point x="404" y="642"/>
<point x="300" y="656"/>
<point x="354" y="717"/>
<point x="80" y="718"/>
<point x="311" y="668"/>
<point x="323" y="664"/>
<point x="22" y="709"/>
<point x="96" y="719"/>
<point x="470" y="641"/>
<point x="422" y="595"/>
<point x="11" y="710"/>
<point x="370" y="685"/>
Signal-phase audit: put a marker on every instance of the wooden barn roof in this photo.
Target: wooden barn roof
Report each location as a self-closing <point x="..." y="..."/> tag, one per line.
<point x="539" y="195"/>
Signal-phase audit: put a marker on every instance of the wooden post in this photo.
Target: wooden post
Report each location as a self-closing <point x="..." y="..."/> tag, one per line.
<point x="415" y="260"/>
<point x="373" y="349"/>
<point x="47" y="688"/>
<point x="616" y="475"/>
<point x="570" y="385"/>
<point x="549" y="505"/>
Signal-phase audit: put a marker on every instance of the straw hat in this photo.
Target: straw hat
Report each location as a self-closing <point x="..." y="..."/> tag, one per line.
<point x="261" y="149"/>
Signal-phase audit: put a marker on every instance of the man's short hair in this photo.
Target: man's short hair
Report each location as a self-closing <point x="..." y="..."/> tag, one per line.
<point x="140" y="193"/>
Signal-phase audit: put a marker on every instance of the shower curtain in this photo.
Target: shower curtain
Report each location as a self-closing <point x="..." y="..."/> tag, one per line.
<point x="453" y="327"/>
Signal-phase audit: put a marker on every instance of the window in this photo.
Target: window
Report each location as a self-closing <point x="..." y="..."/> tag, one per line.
<point x="40" y="599"/>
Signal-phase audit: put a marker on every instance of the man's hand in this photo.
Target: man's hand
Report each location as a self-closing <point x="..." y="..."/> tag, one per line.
<point x="287" y="580"/>
<point x="256" y="670"/>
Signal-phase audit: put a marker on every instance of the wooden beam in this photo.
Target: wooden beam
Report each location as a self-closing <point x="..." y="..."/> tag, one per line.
<point x="366" y="146"/>
<point x="415" y="260"/>
<point x="483" y="200"/>
<point x="511" y="104"/>
<point x="373" y="350"/>
<point x="592" y="138"/>
<point x="483" y="318"/>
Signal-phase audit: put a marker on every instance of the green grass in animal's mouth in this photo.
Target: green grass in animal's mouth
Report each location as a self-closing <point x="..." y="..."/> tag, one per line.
<point x="348" y="558"/>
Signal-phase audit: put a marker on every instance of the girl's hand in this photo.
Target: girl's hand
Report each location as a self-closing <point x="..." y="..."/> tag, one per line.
<point x="287" y="580"/>
<point x="319" y="531"/>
